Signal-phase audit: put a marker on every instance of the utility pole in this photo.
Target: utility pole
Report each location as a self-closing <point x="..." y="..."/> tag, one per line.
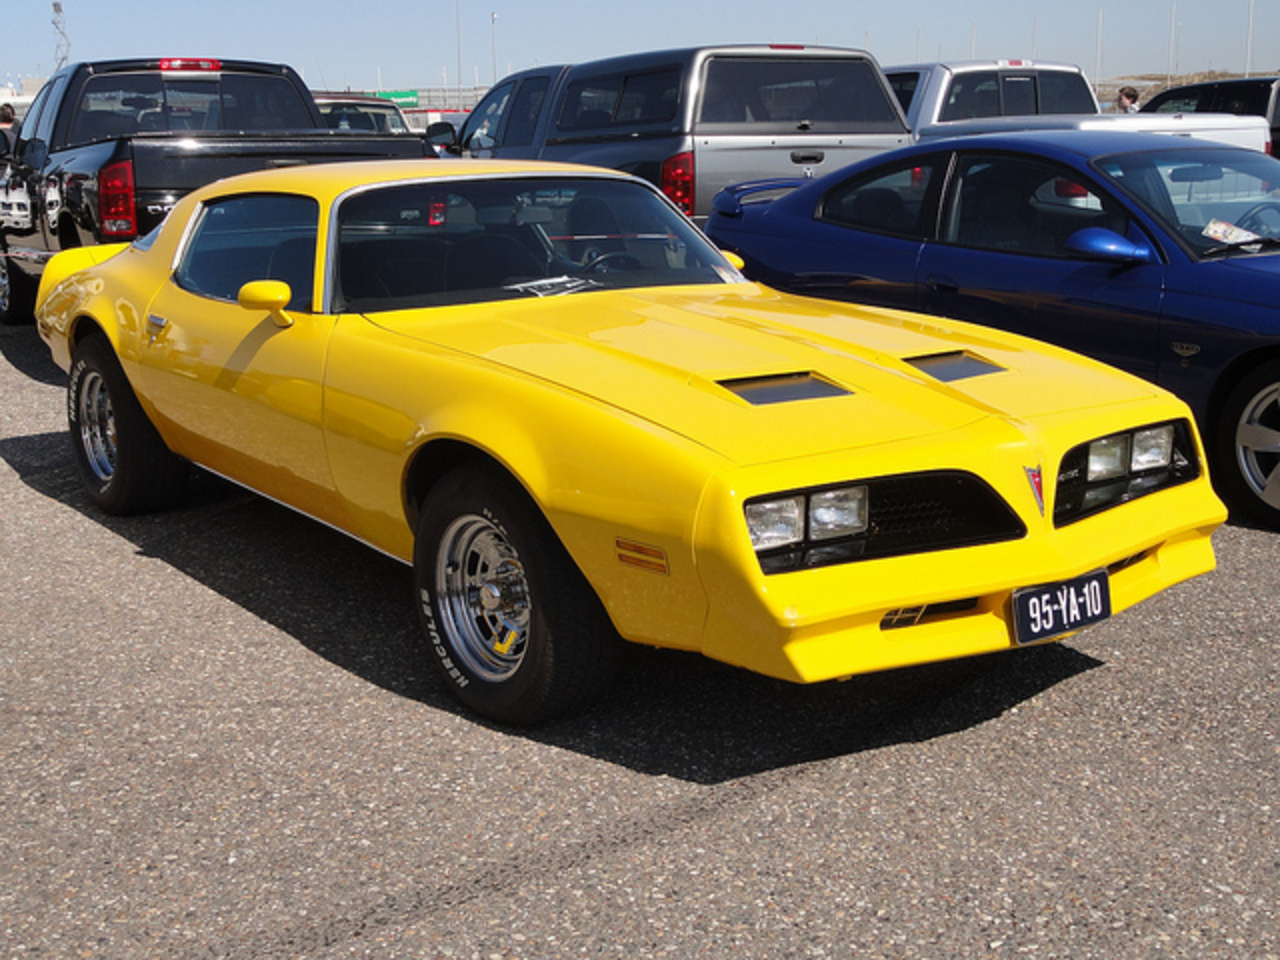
<point x="61" y="49"/>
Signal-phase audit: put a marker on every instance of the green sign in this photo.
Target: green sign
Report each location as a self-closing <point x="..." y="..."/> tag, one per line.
<point x="402" y="98"/>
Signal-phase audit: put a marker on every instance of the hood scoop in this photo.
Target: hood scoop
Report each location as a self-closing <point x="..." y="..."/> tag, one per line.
<point x="783" y="388"/>
<point x="955" y="365"/>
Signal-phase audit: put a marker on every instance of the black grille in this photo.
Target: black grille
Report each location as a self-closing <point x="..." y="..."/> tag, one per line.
<point x="910" y="513"/>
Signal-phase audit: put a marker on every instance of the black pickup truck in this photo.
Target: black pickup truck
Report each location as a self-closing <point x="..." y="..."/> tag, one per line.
<point x="107" y="148"/>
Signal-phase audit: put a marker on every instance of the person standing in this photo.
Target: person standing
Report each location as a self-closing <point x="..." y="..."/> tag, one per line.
<point x="1127" y="100"/>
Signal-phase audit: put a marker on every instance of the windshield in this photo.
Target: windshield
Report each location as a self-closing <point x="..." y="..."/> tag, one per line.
<point x="1212" y="199"/>
<point x="447" y="242"/>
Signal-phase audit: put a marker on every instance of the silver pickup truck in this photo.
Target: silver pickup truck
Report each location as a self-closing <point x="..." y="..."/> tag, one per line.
<point x="948" y="99"/>
<point x="692" y="121"/>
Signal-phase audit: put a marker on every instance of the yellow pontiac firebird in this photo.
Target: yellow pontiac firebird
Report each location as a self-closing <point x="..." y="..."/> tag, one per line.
<point x="541" y="387"/>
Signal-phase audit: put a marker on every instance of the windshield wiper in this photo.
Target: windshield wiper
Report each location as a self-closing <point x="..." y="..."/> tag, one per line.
<point x="1234" y="245"/>
<point x="554" y="286"/>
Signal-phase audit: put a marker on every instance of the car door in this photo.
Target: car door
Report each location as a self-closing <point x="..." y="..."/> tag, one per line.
<point x="864" y="237"/>
<point x="1001" y="260"/>
<point x="239" y="391"/>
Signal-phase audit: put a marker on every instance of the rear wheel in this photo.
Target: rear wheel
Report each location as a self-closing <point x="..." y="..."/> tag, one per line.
<point x="15" y="294"/>
<point x="124" y="465"/>
<point x="1247" y="447"/>
<point x="513" y="627"/>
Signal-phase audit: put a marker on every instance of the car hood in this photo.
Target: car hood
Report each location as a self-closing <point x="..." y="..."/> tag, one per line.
<point x="755" y="374"/>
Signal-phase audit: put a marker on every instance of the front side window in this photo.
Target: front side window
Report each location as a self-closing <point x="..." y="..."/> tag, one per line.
<point x="890" y="202"/>
<point x="484" y="119"/>
<point x="252" y="237"/>
<point x="450" y="242"/>
<point x="1024" y="205"/>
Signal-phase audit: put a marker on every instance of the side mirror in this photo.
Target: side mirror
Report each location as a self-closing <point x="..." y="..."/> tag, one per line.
<point x="272" y="296"/>
<point x="442" y="134"/>
<point x="1107" y="246"/>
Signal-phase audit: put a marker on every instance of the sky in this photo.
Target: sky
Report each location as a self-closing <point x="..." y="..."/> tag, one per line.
<point x="412" y="44"/>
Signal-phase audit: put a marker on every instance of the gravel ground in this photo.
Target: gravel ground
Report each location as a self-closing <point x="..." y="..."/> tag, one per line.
<point x="220" y="739"/>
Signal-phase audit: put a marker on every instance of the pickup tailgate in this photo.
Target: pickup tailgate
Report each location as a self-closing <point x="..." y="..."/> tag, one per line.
<point x="167" y="167"/>
<point x="726" y="159"/>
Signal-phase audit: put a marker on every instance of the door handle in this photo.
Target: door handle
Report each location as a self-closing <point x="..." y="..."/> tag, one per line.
<point x="807" y="156"/>
<point x="937" y="284"/>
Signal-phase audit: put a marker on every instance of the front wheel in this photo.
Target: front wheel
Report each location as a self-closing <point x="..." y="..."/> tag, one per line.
<point x="124" y="465"/>
<point x="1247" y="447"/>
<point x="514" y="629"/>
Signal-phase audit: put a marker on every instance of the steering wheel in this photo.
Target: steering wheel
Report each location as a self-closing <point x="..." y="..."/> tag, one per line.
<point x="620" y="260"/>
<point x="1253" y="220"/>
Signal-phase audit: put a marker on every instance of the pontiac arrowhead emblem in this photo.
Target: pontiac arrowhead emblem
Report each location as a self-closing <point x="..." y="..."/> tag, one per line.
<point x="1036" y="479"/>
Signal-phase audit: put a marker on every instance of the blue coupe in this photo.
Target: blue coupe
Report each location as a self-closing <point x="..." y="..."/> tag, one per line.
<point x="1157" y="254"/>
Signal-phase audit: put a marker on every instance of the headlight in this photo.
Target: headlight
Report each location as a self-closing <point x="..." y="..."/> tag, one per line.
<point x="1112" y="470"/>
<point x="776" y="523"/>
<point x="1109" y="457"/>
<point x="877" y="517"/>
<point x="819" y="515"/>
<point x="1152" y="448"/>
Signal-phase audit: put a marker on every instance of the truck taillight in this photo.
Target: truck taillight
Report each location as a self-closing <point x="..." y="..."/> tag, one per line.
<point x="677" y="181"/>
<point x="117" y="206"/>
<point x="191" y="63"/>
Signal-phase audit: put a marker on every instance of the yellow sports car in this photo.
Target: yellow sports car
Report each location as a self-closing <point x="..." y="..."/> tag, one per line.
<point x="544" y="389"/>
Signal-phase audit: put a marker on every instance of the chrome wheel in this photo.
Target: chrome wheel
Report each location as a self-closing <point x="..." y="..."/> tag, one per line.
<point x="484" y="598"/>
<point x="1258" y="444"/>
<point x="97" y="426"/>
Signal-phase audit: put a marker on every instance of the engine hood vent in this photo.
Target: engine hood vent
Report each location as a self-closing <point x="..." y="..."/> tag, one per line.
<point x="955" y="365"/>
<point x="783" y="388"/>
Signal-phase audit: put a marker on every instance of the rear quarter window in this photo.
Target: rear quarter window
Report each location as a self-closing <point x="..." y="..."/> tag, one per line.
<point x="620" y="99"/>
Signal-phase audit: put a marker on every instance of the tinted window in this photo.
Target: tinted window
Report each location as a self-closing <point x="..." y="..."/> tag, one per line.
<point x="254" y="237"/>
<point x="806" y="92"/>
<point x="1065" y="92"/>
<point x="1241" y="98"/>
<point x="620" y="98"/>
<point x="1019" y="95"/>
<point x="484" y="119"/>
<point x="1176" y="101"/>
<point x="121" y="104"/>
<point x="971" y="95"/>
<point x="904" y="87"/>
<point x="524" y="112"/>
<point x="886" y="202"/>
<point x="428" y="244"/>
<point x="1024" y="205"/>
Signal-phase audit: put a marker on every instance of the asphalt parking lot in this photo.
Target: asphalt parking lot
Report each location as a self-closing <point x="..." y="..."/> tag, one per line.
<point x="220" y="740"/>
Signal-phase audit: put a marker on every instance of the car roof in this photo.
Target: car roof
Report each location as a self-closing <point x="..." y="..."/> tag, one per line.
<point x="961" y="66"/>
<point x="1084" y="143"/>
<point x="329" y="180"/>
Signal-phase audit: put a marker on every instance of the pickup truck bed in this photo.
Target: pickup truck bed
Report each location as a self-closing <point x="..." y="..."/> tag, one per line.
<point x="107" y="148"/>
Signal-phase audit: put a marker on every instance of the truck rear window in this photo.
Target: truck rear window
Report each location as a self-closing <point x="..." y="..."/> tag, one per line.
<point x="799" y="92"/>
<point x="121" y="104"/>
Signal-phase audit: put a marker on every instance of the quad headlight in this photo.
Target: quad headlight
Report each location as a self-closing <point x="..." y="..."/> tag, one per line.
<point x="813" y="516"/>
<point x="1124" y="466"/>
<point x="876" y="517"/>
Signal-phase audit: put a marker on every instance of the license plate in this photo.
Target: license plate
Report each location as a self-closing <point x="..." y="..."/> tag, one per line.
<point x="1052" y="609"/>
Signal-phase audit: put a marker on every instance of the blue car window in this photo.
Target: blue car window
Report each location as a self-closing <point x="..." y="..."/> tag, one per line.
<point x="887" y="202"/>
<point x="1024" y="205"/>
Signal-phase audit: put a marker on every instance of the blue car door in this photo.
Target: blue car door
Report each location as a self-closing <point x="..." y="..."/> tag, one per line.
<point x="1001" y="259"/>
<point x="862" y="241"/>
